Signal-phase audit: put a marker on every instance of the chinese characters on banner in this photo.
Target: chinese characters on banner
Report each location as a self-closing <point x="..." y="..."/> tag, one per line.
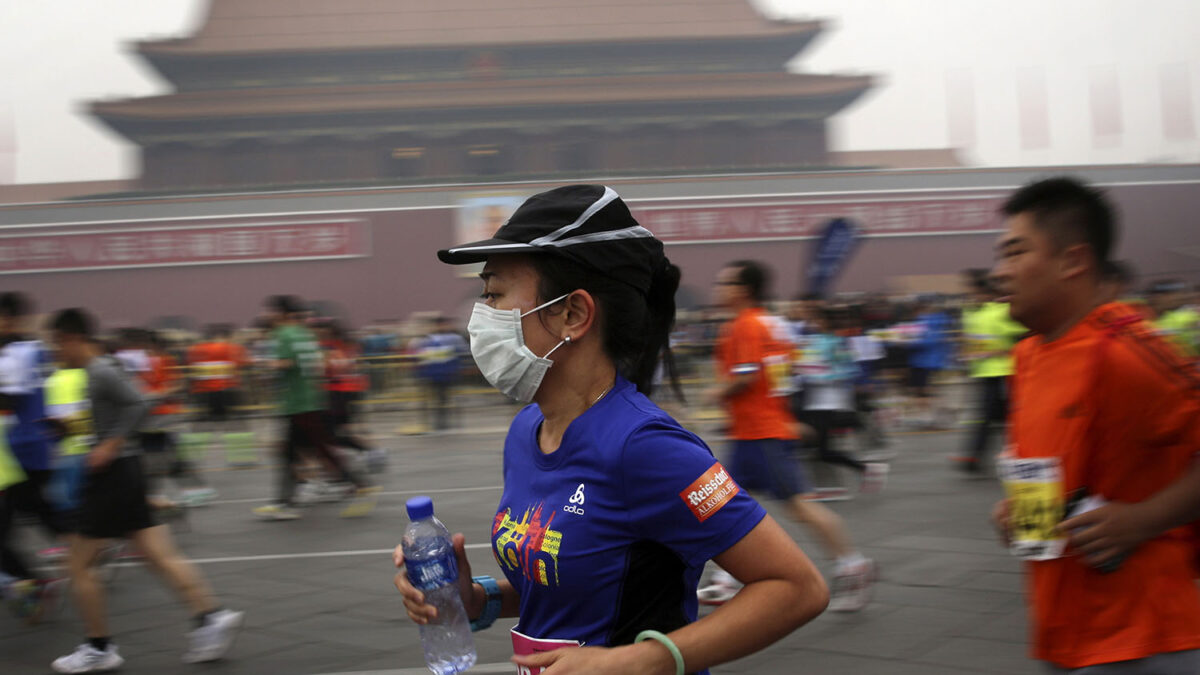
<point x="803" y="219"/>
<point x="156" y="245"/>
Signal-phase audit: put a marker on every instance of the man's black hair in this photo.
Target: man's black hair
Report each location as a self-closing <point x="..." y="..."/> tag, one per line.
<point x="15" y="304"/>
<point x="978" y="279"/>
<point x="755" y="277"/>
<point x="73" y="321"/>
<point x="1070" y="211"/>
<point x="1118" y="272"/>
<point x="285" y="304"/>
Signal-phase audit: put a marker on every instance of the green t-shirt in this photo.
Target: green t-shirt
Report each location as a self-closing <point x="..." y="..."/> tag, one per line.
<point x="301" y="381"/>
<point x="990" y="334"/>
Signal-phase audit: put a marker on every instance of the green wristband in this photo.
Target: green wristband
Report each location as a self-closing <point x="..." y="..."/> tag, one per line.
<point x="666" y="642"/>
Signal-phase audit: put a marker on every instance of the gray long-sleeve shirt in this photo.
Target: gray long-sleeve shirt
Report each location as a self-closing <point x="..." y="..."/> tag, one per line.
<point x="118" y="409"/>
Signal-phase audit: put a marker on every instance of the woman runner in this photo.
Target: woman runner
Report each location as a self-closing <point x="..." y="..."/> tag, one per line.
<point x="610" y="508"/>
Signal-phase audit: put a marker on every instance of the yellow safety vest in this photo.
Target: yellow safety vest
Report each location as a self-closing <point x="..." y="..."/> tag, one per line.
<point x="67" y="400"/>
<point x="10" y="468"/>
<point x="988" y="328"/>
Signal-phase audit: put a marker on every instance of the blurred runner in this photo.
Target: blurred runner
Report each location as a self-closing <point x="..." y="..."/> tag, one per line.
<point x="24" y="364"/>
<point x="1174" y="318"/>
<point x="1103" y="414"/>
<point x="346" y="384"/>
<point x="754" y="362"/>
<point x="439" y="358"/>
<point x="989" y="334"/>
<point x="114" y="506"/>
<point x="159" y="437"/>
<point x="216" y="367"/>
<point x="828" y="373"/>
<point x="301" y="365"/>
<point x="929" y="354"/>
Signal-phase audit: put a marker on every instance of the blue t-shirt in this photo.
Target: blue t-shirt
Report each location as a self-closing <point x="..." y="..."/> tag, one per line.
<point x="24" y="365"/>
<point x="932" y="351"/>
<point x="608" y="535"/>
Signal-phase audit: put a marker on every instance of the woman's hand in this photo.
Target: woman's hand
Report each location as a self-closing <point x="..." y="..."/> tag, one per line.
<point x="643" y="657"/>
<point x="414" y="600"/>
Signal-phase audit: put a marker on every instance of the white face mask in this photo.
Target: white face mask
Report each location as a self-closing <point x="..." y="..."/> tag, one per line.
<point x="498" y="347"/>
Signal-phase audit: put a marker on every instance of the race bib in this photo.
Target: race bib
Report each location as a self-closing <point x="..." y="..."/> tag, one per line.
<point x="1035" y="493"/>
<point x="523" y="645"/>
<point x="778" y="369"/>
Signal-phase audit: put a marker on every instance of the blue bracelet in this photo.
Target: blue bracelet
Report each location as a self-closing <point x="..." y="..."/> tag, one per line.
<point x="491" y="610"/>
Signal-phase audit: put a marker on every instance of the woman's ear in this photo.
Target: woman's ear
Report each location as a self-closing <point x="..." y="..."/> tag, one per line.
<point x="579" y="315"/>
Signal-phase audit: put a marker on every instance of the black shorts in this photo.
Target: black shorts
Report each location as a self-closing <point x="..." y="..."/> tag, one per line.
<point x="218" y="405"/>
<point x="113" y="503"/>
<point x="918" y="379"/>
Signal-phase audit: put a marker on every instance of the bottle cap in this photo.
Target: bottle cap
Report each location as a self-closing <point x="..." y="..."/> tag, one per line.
<point x="419" y="508"/>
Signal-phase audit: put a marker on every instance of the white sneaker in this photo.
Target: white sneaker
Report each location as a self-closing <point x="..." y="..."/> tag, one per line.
<point x="720" y="589"/>
<point x="874" y="478"/>
<point x="88" y="659"/>
<point x="197" y="496"/>
<point x="276" y="512"/>
<point x="377" y="460"/>
<point x="852" y="586"/>
<point x="213" y="640"/>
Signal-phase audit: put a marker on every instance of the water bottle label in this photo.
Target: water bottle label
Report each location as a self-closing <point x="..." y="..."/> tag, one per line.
<point x="429" y="574"/>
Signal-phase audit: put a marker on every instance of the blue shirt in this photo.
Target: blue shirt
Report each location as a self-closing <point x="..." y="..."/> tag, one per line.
<point x="608" y="535"/>
<point x="24" y="365"/>
<point x="933" y="350"/>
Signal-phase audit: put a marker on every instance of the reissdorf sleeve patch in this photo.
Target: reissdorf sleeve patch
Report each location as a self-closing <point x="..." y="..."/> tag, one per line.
<point x="710" y="492"/>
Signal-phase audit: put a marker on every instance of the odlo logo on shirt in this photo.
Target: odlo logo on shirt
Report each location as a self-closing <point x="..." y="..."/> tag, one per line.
<point x="576" y="505"/>
<point x="711" y="491"/>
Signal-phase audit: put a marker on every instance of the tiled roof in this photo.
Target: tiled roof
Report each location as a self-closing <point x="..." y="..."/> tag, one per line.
<point x="237" y="26"/>
<point x="490" y="93"/>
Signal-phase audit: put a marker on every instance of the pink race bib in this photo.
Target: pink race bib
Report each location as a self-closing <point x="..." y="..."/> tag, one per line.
<point x="523" y="645"/>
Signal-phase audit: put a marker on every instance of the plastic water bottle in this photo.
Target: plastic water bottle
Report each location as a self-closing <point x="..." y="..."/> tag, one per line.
<point x="432" y="569"/>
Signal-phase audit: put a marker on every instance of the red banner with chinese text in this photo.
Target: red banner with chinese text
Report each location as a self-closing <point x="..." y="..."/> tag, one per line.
<point x="156" y="245"/>
<point x="803" y="218"/>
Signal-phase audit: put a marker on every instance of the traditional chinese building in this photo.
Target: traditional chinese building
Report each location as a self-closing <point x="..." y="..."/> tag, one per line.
<point x="311" y="92"/>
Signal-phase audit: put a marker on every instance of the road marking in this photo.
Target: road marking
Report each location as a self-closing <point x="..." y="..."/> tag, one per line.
<point x="289" y="556"/>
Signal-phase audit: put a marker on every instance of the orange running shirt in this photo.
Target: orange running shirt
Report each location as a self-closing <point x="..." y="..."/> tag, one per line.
<point x="1111" y="401"/>
<point x="159" y="379"/>
<point x="214" y="365"/>
<point x="756" y="342"/>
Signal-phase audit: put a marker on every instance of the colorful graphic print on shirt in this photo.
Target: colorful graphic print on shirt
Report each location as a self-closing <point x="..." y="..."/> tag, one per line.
<point x="528" y="545"/>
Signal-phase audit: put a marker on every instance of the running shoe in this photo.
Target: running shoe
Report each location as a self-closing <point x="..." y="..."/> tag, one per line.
<point x="852" y="586"/>
<point x="377" y="460"/>
<point x="364" y="502"/>
<point x="308" y="492"/>
<point x="22" y="597"/>
<point x="200" y="496"/>
<point x="276" y="512"/>
<point x="720" y="589"/>
<point x="51" y="596"/>
<point x="334" y="492"/>
<point x="54" y="554"/>
<point x="88" y="659"/>
<point x="214" y="639"/>
<point x="874" y="478"/>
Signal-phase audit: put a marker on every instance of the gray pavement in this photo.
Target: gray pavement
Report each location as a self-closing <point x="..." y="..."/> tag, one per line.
<point x="319" y="598"/>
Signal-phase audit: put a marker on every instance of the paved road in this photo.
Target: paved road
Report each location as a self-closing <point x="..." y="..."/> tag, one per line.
<point x="319" y="598"/>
